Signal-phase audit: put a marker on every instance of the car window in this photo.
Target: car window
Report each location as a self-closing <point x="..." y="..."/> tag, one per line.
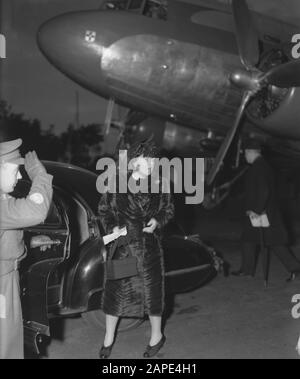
<point x="53" y="217"/>
<point x="83" y="233"/>
<point x="78" y="217"/>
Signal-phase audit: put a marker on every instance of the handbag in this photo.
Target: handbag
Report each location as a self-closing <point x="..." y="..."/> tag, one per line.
<point x="120" y="268"/>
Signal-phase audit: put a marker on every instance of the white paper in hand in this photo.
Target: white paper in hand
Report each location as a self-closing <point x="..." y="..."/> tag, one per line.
<point x="113" y="236"/>
<point x="260" y="221"/>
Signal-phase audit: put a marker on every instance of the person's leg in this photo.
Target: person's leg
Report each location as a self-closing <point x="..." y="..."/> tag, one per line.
<point x="157" y="339"/>
<point x="156" y="332"/>
<point x="287" y="258"/>
<point x="111" y="324"/>
<point x="249" y="258"/>
<point x="11" y="322"/>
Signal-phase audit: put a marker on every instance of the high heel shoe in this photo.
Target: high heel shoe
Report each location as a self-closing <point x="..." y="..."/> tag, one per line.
<point x="105" y="352"/>
<point x="153" y="350"/>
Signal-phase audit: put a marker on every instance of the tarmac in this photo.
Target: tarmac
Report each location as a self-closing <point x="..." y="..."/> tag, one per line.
<point x="229" y="318"/>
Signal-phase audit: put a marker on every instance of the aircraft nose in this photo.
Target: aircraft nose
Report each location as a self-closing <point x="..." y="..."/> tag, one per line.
<point x="73" y="44"/>
<point x="57" y="38"/>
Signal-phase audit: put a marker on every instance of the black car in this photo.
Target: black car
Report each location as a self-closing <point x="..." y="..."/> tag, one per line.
<point x="67" y="278"/>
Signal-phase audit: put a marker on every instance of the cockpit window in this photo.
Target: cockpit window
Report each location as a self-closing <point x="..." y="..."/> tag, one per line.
<point x="151" y="8"/>
<point x="157" y="9"/>
<point x="136" y="4"/>
<point x="115" y="4"/>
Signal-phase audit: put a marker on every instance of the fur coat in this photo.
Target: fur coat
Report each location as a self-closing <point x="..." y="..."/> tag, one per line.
<point x="142" y="294"/>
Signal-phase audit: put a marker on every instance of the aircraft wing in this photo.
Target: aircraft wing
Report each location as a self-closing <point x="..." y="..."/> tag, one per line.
<point x="276" y="9"/>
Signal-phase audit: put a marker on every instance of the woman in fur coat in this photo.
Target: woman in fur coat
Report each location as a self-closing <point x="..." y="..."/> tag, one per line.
<point x="144" y="215"/>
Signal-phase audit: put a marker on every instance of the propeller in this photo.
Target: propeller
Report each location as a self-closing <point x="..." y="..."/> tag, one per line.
<point x="228" y="139"/>
<point x="246" y="34"/>
<point x="251" y="80"/>
<point x="285" y="75"/>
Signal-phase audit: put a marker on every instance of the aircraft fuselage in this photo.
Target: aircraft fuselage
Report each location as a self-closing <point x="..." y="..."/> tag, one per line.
<point x="175" y="71"/>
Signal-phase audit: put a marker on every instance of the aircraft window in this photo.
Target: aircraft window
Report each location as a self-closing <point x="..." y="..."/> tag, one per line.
<point x="115" y="5"/>
<point x="135" y="4"/>
<point x="124" y="4"/>
<point x="150" y="8"/>
<point x="156" y="9"/>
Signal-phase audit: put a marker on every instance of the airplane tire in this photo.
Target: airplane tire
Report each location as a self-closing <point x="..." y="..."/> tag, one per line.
<point x="97" y="319"/>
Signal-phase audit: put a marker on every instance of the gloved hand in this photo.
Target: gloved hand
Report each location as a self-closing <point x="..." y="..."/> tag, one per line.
<point x="151" y="226"/>
<point x="40" y="241"/>
<point x="33" y="165"/>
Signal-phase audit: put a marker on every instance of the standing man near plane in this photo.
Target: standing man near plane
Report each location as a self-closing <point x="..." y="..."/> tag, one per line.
<point x="261" y="207"/>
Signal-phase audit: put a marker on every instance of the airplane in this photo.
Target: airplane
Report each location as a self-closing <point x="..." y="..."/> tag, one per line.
<point x="209" y="69"/>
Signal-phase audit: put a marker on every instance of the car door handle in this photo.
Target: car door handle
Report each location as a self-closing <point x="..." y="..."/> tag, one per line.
<point x="40" y="241"/>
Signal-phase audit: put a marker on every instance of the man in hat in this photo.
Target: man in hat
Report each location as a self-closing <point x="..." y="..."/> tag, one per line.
<point x="16" y="214"/>
<point x="263" y="223"/>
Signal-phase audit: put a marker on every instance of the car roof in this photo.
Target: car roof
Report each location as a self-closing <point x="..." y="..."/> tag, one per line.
<point x="75" y="180"/>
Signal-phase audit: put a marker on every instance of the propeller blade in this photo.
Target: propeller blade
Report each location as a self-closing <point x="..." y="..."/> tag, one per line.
<point x="246" y="34"/>
<point x="285" y="76"/>
<point x="228" y="139"/>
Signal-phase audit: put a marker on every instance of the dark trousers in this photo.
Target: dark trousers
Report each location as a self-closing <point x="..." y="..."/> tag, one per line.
<point x="250" y="253"/>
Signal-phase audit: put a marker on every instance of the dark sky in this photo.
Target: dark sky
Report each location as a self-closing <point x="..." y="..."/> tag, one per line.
<point x="30" y="84"/>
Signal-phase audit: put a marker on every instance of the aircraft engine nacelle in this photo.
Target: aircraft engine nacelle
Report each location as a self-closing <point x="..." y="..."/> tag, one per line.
<point x="277" y="112"/>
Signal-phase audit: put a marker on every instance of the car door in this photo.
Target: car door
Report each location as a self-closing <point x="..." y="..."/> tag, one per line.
<point x="40" y="283"/>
